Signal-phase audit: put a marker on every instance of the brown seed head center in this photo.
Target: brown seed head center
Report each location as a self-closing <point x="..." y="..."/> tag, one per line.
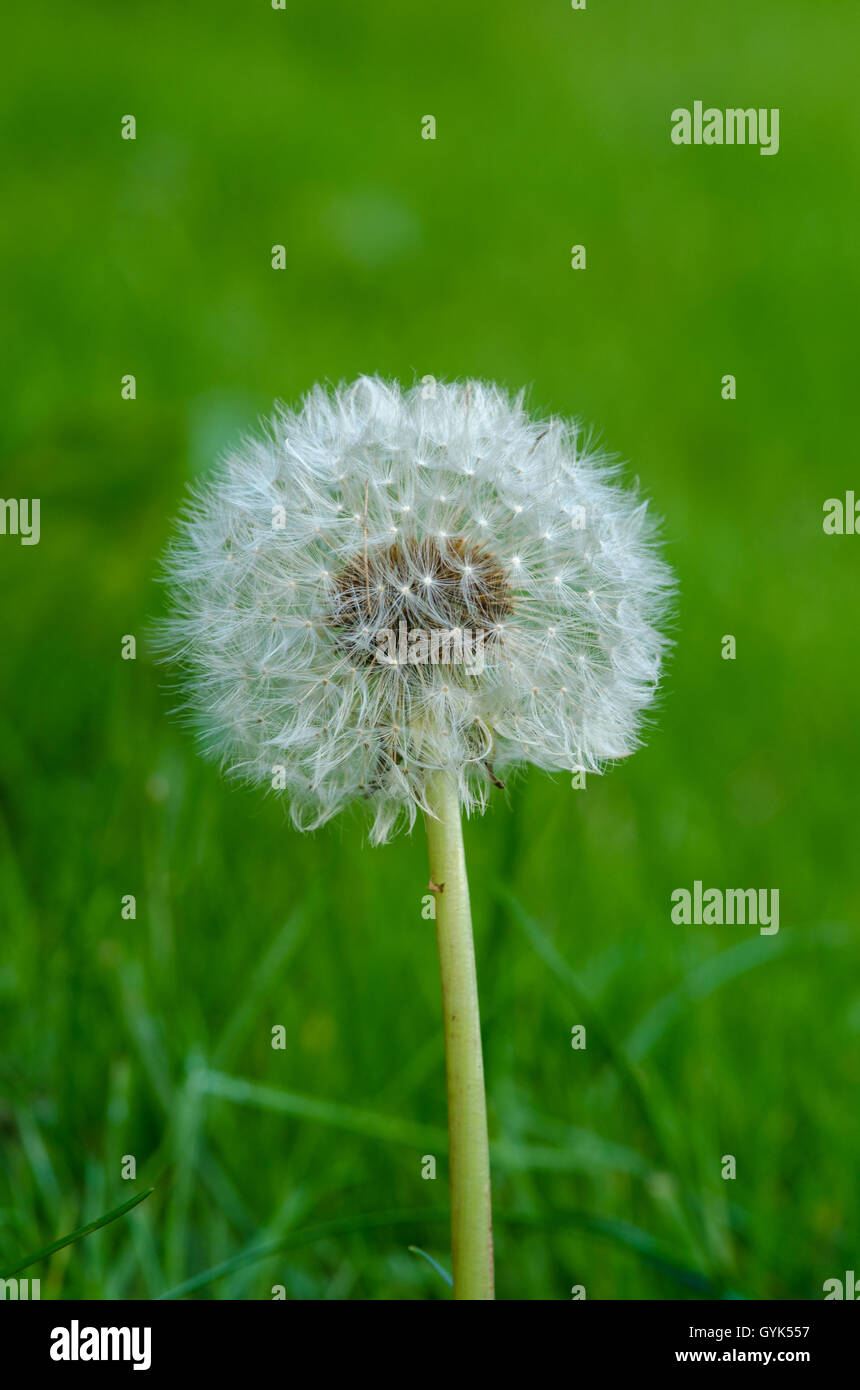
<point x="430" y="584"/>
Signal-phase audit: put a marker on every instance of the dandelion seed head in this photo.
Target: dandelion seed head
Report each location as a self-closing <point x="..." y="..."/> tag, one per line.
<point x="570" y="619"/>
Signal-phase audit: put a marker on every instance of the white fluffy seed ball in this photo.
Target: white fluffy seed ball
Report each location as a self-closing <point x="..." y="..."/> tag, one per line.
<point x="391" y="583"/>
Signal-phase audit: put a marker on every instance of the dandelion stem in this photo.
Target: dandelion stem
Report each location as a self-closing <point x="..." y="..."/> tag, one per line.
<point x="468" y="1158"/>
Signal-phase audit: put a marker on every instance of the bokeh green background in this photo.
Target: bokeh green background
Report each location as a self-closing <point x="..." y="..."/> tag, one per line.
<point x="452" y="257"/>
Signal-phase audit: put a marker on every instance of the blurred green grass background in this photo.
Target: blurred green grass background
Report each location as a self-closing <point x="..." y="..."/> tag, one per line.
<point x="405" y="257"/>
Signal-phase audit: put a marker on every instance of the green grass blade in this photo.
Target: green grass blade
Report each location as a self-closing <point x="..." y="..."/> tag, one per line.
<point x="434" y="1264"/>
<point x="79" y="1234"/>
<point x="367" y="1123"/>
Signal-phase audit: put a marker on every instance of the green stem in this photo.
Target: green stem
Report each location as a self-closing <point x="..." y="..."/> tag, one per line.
<point x="469" y="1157"/>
